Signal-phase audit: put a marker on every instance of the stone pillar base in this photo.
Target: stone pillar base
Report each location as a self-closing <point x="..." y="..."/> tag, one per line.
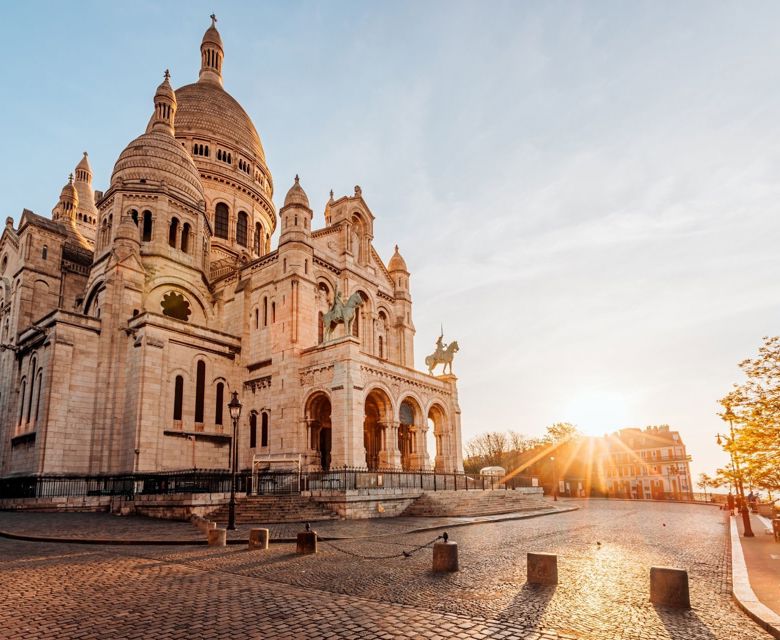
<point x="258" y="538"/>
<point x="306" y="543"/>
<point x="542" y="568"/>
<point x="445" y="556"/>
<point x="669" y="587"/>
<point x="217" y="537"/>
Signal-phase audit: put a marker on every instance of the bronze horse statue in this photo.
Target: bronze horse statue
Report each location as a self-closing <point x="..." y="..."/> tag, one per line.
<point x="341" y="313"/>
<point x="444" y="357"/>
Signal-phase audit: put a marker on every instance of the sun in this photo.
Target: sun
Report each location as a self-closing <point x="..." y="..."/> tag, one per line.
<point x="597" y="412"/>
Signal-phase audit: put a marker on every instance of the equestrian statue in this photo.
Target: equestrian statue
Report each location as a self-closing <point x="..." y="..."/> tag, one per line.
<point x="341" y="312"/>
<point x="443" y="355"/>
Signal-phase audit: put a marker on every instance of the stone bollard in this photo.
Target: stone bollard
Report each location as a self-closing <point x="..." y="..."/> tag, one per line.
<point x="217" y="537"/>
<point x="258" y="538"/>
<point x="306" y="542"/>
<point x="542" y="568"/>
<point x="445" y="555"/>
<point x="669" y="587"/>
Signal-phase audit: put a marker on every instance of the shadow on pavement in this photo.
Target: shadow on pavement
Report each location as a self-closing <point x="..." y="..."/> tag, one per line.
<point x="683" y="623"/>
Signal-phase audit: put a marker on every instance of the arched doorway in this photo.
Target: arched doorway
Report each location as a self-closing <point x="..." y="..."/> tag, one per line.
<point x="378" y="414"/>
<point x="413" y="455"/>
<point x="320" y="428"/>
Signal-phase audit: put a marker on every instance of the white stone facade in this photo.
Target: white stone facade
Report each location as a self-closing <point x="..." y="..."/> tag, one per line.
<point x="129" y="317"/>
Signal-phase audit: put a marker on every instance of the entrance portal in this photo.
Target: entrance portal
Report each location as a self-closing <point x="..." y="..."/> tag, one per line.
<point x="378" y="413"/>
<point x="320" y="428"/>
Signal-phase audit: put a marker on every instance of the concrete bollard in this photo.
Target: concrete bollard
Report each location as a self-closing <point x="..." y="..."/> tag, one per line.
<point x="542" y="568"/>
<point x="669" y="587"/>
<point x="217" y="537"/>
<point x="445" y="555"/>
<point x="258" y="538"/>
<point x="306" y="542"/>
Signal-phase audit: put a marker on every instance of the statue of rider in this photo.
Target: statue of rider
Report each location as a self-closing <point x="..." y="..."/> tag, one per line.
<point x="441" y="347"/>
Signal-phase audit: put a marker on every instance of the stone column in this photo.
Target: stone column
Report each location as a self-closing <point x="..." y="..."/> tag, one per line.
<point x="390" y="456"/>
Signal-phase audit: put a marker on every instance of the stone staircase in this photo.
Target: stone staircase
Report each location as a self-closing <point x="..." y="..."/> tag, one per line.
<point x="270" y="509"/>
<point x="474" y="503"/>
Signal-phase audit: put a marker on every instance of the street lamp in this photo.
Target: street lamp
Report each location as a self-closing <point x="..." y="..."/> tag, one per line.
<point x="235" y="413"/>
<point x="729" y="416"/>
<point x="555" y="479"/>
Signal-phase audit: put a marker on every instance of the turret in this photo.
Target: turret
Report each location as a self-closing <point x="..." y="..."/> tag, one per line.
<point x="400" y="276"/>
<point x="86" y="212"/>
<point x="65" y="208"/>
<point x="164" y="107"/>
<point x="211" y="54"/>
<point x="295" y="216"/>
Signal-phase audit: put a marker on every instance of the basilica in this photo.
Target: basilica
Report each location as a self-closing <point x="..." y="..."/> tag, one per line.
<point x="130" y="316"/>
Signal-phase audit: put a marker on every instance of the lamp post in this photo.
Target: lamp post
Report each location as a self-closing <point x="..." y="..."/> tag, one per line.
<point x="555" y="479"/>
<point x="235" y="413"/>
<point x="729" y="417"/>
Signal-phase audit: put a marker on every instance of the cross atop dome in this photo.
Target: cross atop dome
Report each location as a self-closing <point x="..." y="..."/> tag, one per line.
<point x="213" y="20"/>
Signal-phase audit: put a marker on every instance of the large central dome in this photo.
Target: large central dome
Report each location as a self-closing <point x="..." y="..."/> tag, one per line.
<point x="206" y="107"/>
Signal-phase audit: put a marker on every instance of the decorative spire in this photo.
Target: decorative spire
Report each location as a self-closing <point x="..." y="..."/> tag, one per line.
<point x="297" y="179"/>
<point x="164" y="106"/>
<point x="211" y="54"/>
<point x="83" y="170"/>
<point x="331" y="195"/>
<point x="70" y="178"/>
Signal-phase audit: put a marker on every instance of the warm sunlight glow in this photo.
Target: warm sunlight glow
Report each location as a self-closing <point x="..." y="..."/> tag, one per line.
<point x="596" y="413"/>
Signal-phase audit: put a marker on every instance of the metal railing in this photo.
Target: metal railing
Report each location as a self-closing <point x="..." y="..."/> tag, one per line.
<point x="276" y="482"/>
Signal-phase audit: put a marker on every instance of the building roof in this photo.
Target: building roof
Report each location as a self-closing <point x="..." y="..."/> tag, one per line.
<point x="296" y="195"/>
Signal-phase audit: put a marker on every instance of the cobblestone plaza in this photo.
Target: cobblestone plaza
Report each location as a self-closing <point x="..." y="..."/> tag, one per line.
<point x="605" y="549"/>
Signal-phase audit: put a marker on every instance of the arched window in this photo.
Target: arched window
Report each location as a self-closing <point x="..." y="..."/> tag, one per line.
<point x="147" y="230"/>
<point x="173" y="232"/>
<point x="257" y="318"/>
<point x="178" y="397"/>
<point x="265" y="312"/>
<point x="32" y="389"/>
<point x="200" y="390"/>
<point x="264" y="430"/>
<point x="221" y="220"/>
<point x="38" y="397"/>
<point x="356" y="324"/>
<point x="44" y="252"/>
<point x="241" y="228"/>
<point x="219" y="402"/>
<point x="320" y="327"/>
<point x="273" y="312"/>
<point x="134" y="216"/>
<point x="258" y="237"/>
<point x="22" y="392"/>
<point x="252" y="430"/>
<point x="185" y="237"/>
<point x="381" y="348"/>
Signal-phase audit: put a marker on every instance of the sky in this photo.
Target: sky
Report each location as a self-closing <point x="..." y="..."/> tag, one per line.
<point x="586" y="194"/>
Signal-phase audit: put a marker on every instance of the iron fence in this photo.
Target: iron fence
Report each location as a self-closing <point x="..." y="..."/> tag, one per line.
<point x="265" y="482"/>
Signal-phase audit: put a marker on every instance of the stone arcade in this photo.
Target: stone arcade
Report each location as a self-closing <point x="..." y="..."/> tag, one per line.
<point x="128" y="317"/>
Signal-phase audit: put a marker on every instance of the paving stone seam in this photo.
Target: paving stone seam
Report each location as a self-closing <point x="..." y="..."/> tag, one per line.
<point x="742" y="591"/>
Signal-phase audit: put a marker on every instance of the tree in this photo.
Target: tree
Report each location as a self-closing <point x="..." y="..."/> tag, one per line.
<point x="754" y="410"/>
<point x="561" y="432"/>
<point x="704" y="482"/>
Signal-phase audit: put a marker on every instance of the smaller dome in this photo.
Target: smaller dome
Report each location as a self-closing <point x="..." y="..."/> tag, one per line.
<point x="212" y="35"/>
<point x="296" y="195"/>
<point x="83" y="165"/>
<point x="69" y="193"/>
<point x="397" y="263"/>
<point x="157" y="156"/>
<point x="165" y="90"/>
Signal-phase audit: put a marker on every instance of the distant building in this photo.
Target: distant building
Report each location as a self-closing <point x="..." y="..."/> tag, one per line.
<point x="646" y="463"/>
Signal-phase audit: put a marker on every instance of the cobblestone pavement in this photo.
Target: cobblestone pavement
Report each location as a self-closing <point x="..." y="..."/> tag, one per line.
<point x="64" y="591"/>
<point x="79" y="526"/>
